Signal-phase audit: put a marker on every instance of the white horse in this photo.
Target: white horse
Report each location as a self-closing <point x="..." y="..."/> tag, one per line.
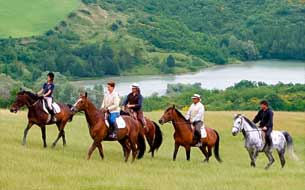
<point x="254" y="141"/>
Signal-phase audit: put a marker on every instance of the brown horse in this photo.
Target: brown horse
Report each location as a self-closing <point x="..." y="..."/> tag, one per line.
<point x="152" y="133"/>
<point x="36" y="115"/>
<point x="129" y="137"/>
<point x="184" y="135"/>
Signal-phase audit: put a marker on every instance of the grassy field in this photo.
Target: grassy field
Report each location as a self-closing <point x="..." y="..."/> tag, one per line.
<point x="32" y="167"/>
<point x="20" y="18"/>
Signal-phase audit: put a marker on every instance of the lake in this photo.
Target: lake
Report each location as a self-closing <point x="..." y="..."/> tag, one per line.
<point x="218" y="77"/>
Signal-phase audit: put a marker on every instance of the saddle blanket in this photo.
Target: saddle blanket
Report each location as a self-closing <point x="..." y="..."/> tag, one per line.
<point x="55" y="107"/>
<point x="203" y="132"/>
<point x="119" y="121"/>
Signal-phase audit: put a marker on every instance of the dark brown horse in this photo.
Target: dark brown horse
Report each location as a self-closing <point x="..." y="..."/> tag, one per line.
<point x="129" y="137"/>
<point x="152" y="132"/>
<point x="36" y="115"/>
<point x="184" y="135"/>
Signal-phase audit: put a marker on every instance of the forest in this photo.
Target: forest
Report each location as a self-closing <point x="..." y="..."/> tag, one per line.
<point x="156" y="36"/>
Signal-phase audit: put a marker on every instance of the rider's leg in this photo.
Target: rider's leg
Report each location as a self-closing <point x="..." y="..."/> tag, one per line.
<point x="49" y="101"/>
<point x="197" y="133"/>
<point x="268" y="137"/>
<point x="141" y="118"/>
<point x="113" y="124"/>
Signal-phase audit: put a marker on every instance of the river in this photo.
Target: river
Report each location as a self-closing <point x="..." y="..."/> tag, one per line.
<point x="218" y="77"/>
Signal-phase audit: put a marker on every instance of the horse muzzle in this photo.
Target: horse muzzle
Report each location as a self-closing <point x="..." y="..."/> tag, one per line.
<point x="74" y="109"/>
<point x="13" y="109"/>
<point x="161" y="121"/>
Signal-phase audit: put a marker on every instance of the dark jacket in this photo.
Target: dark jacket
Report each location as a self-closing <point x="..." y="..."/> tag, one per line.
<point x="48" y="86"/>
<point x="265" y="118"/>
<point x="136" y="100"/>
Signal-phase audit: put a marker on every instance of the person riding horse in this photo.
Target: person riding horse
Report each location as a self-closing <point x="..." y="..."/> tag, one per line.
<point x="134" y="102"/>
<point x="265" y="119"/>
<point x="47" y="93"/>
<point x="195" y="115"/>
<point x="111" y="105"/>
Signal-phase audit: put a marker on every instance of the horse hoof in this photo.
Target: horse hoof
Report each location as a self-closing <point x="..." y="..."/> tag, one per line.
<point x="44" y="146"/>
<point x="205" y="160"/>
<point x="53" y="145"/>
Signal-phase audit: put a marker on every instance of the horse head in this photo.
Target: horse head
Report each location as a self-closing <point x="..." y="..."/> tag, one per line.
<point x="237" y="124"/>
<point x="23" y="98"/>
<point x="168" y="115"/>
<point x="81" y="104"/>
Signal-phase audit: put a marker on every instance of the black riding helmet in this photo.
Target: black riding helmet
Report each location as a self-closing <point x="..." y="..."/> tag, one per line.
<point x="51" y="75"/>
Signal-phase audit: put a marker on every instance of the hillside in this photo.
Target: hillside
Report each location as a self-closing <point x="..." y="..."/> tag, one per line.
<point x="21" y="18"/>
<point x="33" y="167"/>
<point x="128" y="37"/>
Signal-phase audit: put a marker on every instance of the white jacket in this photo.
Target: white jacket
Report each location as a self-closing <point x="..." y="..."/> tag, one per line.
<point x="195" y="112"/>
<point x="111" y="102"/>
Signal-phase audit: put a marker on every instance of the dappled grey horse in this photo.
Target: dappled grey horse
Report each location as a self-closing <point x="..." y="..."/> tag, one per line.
<point x="254" y="142"/>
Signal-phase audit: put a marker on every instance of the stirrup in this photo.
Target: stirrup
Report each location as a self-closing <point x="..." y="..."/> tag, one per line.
<point x="199" y="144"/>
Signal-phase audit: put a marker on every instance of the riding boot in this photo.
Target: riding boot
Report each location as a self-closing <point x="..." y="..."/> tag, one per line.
<point x="114" y="132"/>
<point x="198" y="139"/>
<point x="53" y="115"/>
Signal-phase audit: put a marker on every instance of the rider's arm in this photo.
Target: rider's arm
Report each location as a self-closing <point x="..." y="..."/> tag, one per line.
<point x="125" y="101"/>
<point x="48" y="93"/>
<point x="270" y="122"/>
<point x="257" y="118"/>
<point x="188" y="114"/>
<point x="103" y="103"/>
<point x="116" y="103"/>
<point x="40" y="91"/>
<point x="139" y="104"/>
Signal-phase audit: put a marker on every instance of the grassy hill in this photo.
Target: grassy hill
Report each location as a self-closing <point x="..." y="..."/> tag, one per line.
<point x="21" y="18"/>
<point x="32" y="167"/>
<point x="128" y="37"/>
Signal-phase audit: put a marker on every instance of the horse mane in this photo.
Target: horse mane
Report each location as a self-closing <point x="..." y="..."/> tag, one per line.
<point x="182" y="116"/>
<point x="247" y="120"/>
<point x="30" y="94"/>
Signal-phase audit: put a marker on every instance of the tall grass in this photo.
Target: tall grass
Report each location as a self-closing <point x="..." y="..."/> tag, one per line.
<point x="33" y="167"/>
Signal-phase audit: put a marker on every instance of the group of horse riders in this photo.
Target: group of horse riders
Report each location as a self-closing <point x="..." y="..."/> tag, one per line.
<point x="134" y="101"/>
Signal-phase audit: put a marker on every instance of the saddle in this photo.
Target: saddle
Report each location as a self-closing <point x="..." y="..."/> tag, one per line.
<point x="119" y="121"/>
<point x="55" y="106"/>
<point x="200" y="131"/>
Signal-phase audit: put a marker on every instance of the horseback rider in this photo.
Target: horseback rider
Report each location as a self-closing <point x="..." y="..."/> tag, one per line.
<point x="195" y="115"/>
<point x="111" y="105"/>
<point x="47" y="93"/>
<point x="265" y="119"/>
<point x="134" y="102"/>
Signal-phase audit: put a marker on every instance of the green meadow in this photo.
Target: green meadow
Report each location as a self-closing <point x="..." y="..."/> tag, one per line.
<point x="22" y="18"/>
<point x="33" y="167"/>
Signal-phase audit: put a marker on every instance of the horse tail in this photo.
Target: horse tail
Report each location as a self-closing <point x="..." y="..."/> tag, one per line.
<point x="158" y="137"/>
<point x="290" y="149"/>
<point x="216" y="148"/>
<point x="141" y="145"/>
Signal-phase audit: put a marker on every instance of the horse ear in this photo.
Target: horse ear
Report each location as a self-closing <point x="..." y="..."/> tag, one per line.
<point x="174" y="106"/>
<point x="86" y="94"/>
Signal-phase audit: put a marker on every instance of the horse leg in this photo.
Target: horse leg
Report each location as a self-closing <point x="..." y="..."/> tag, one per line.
<point x="270" y="158"/>
<point x="281" y="154"/>
<point x="175" y="151"/>
<point x="100" y="149"/>
<point x="126" y="148"/>
<point x="133" y="149"/>
<point x="251" y="154"/>
<point x="91" y="149"/>
<point x="209" y="152"/>
<point x="25" y="133"/>
<point x="205" y="153"/>
<point x="64" y="142"/>
<point x="43" y="134"/>
<point x="61" y="133"/>
<point x="188" y="152"/>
